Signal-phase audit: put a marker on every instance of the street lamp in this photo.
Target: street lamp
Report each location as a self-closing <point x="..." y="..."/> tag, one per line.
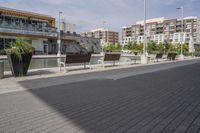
<point x="102" y="45"/>
<point x="144" y="58"/>
<point x="182" y="29"/>
<point x="145" y="29"/>
<point x="59" y="40"/>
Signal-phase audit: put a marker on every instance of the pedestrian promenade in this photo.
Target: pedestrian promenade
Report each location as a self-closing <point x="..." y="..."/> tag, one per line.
<point x="161" y="98"/>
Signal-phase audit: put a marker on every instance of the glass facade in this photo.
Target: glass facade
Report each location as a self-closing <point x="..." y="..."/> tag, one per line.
<point x="37" y="29"/>
<point x="5" y="43"/>
<point x="22" y="25"/>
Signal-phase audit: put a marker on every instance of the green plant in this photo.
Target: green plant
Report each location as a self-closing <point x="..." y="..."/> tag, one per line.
<point x="197" y="50"/>
<point x="134" y="47"/>
<point x="173" y="48"/>
<point x="151" y="47"/>
<point x="140" y="48"/>
<point x="161" y="48"/>
<point x="185" y="48"/>
<point x="113" y="48"/>
<point x="19" y="47"/>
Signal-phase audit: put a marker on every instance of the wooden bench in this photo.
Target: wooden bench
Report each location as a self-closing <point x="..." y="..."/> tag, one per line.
<point x="156" y="57"/>
<point x="171" y="56"/>
<point x="134" y="58"/>
<point x="76" y="58"/>
<point x="159" y="56"/>
<point x="110" y="57"/>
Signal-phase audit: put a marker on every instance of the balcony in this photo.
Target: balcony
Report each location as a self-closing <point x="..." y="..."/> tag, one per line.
<point x="70" y="36"/>
<point x="27" y="29"/>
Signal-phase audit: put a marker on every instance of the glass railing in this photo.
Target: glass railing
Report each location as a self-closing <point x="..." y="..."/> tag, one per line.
<point x="33" y="30"/>
<point x="29" y="29"/>
<point x="70" y="35"/>
<point x="29" y="32"/>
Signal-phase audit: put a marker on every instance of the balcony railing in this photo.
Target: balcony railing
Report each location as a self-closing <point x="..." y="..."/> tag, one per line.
<point x="68" y="34"/>
<point x="17" y="31"/>
<point x="27" y="29"/>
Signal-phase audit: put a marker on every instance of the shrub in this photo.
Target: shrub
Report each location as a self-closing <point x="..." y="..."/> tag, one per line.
<point x="19" y="47"/>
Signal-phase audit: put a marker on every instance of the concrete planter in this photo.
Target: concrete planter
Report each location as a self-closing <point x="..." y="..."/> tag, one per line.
<point x="1" y="69"/>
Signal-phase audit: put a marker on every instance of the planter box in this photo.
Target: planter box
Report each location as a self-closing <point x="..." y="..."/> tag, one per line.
<point x="1" y="69"/>
<point x="19" y="67"/>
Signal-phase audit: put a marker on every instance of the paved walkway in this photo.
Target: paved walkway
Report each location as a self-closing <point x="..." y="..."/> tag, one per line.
<point x="53" y="76"/>
<point x="118" y="101"/>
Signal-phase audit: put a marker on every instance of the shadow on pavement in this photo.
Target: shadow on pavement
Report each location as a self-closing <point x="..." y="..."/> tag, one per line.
<point x="105" y="105"/>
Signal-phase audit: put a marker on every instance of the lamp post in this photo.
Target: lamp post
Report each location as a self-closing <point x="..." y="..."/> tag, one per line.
<point x="103" y="43"/>
<point x="182" y="30"/>
<point x="144" y="58"/>
<point x="59" y="39"/>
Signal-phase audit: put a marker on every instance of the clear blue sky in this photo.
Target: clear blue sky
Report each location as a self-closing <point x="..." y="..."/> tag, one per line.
<point x="89" y="14"/>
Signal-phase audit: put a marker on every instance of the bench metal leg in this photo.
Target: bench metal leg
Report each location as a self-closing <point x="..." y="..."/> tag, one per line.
<point x="84" y="65"/>
<point x="135" y="61"/>
<point x="90" y="66"/>
<point x="64" y="65"/>
<point x="60" y="67"/>
<point x="65" y="69"/>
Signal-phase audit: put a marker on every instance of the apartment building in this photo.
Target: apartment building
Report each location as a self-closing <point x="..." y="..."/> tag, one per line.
<point x="105" y="36"/>
<point x="38" y="29"/>
<point x="162" y="30"/>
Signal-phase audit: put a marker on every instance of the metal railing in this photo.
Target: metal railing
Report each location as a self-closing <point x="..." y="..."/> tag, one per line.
<point x="28" y="32"/>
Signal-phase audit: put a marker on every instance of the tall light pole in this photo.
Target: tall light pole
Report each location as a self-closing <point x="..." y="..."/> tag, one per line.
<point x="59" y="38"/>
<point x="104" y="27"/>
<point x="145" y="29"/>
<point x="182" y="29"/>
<point x="144" y="58"/>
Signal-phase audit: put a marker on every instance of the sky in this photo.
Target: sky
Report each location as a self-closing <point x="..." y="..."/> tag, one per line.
<point x="91" y="14"/>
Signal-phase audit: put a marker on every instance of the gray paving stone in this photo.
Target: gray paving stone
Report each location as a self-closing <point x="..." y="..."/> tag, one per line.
<point x="155" y="101"/>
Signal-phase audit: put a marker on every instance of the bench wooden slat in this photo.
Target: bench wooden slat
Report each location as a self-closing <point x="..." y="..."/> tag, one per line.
<point x="112" y="57"/>
<point x="171" y="56"/>
<point x="77" y="58"/>
<point x="159" y="56"/>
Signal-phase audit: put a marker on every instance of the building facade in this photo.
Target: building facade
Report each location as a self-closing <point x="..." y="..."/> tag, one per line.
<point x="162" y="30"/>
<point x="91" y="44"/>
<point x="105" y="36"/>
<point x="65" y="26"/>
<point x="38" y="29"/>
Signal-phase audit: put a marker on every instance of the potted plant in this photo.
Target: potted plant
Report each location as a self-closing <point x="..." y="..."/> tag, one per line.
<point x="19" y="57"/>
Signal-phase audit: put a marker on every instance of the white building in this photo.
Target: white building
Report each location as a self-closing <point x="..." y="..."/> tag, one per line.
<point x="162" y="30"/>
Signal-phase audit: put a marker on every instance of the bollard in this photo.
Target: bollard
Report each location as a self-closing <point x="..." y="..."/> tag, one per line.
<point x="1" y="69"/>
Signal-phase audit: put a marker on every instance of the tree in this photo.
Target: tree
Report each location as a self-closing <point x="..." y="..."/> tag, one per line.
<point x="113" y="48"/>
<point x="166" y="46"/>
<point x="118" y="47"/>
<point x="140" y="48"/>
<point x="151" y="48"/>
<point x="161" y="48"/>
<point x="173" y="47"/>
<point x="128" y="46"/>
<point x="185" y="48"/>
